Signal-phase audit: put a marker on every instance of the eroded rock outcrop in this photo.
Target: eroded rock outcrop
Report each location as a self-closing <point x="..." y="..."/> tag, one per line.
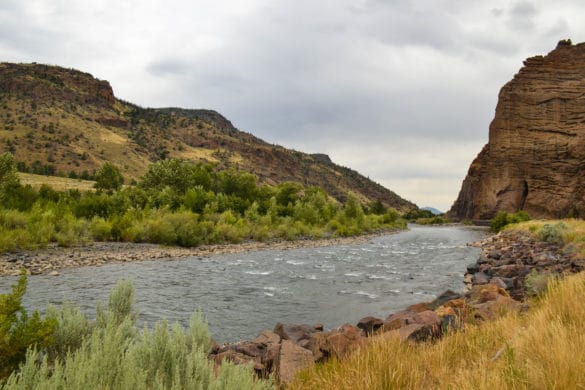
<point x="535" y="157"/>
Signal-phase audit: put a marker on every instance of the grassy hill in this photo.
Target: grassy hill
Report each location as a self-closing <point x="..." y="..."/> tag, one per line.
<point x="65" y="122"/>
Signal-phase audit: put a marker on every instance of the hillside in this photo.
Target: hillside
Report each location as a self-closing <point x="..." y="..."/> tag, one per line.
<point x="535" y="157"/>
<point x="57" y="120"/>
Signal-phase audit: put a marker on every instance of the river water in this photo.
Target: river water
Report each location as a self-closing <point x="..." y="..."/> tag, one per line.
<point x="244" y="293"/>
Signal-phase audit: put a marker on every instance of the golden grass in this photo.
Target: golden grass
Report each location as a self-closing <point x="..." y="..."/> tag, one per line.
<point x="193" y="153"/>
<point x="58" y="183"/>
<point x="544" y="349"/>
<point x="109" y="137"/>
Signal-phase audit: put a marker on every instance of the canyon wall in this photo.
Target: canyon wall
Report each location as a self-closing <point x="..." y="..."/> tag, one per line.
<point x="535" y="157"/>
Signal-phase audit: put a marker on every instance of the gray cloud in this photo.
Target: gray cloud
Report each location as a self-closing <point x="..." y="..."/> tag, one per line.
<point x="401" y="91"/>
<point x="522" y="16"/>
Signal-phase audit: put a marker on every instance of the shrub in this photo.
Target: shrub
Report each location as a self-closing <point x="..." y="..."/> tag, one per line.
<point x="72" y="326"/>
<point x="390" y="216"/>
<point x="100" y="229"/>
<point x="18" y="330"/>
<point x="502" y="219"/>
<point x="536" y="282"/>
<point x="552" y="234"/>
<point x="188" y="231"/>
<point x="436" y="220"/>
<point x="114" y="354"/>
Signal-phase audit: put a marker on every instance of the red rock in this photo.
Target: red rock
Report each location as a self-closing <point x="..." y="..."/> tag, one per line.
<point x="370" y="324"/>
<point x="294" y="332"/>
<point x="429" y="321"/>
<point x="480" y="278"/>
<point x="337" y="343"/>
<point x="534" y="157"/>
<point x="418" y="307"/>
<point x="291" y="360"/>
<point x="510" y="271"/>
<point x="267" y="337"/>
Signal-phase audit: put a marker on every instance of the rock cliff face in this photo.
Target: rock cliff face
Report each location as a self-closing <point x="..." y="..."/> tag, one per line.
<point x="535" y="157"/>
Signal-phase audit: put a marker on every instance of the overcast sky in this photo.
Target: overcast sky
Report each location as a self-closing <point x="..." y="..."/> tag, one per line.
<point x="402" y="91"/>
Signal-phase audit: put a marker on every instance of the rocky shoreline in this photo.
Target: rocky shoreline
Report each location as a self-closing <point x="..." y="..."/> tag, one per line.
<point x="53" y="258"/>
<point x="496" y="283"/>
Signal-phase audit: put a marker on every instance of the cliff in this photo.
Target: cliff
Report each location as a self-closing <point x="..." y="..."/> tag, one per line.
<point x="66" y="122"/>
<point x="535" y="157"/>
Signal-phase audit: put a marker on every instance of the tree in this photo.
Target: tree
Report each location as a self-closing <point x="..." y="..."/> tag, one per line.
<point x="173" y="173"/>
<point x="9" y="181"/>
<point x="108" y="178"/>
<point x="8" y="175"/>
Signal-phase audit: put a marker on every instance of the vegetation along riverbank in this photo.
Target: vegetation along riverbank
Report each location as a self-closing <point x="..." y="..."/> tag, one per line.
<point x="176" y="203"/>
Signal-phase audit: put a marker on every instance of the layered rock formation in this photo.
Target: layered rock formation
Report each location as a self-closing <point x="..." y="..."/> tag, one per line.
<point x="535" y="157"/>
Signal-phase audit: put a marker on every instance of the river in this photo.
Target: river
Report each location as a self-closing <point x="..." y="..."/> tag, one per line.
<point x="244" y="293"/>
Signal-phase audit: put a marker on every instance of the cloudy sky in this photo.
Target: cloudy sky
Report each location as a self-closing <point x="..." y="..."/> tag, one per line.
<point x="402" y="91"/>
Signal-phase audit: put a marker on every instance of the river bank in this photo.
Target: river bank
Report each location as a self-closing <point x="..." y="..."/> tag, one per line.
<point x="54" y="258"/>
<point x="512" y="265"/>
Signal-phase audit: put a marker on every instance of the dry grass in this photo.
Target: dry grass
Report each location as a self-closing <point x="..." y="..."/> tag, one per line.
<point x="196" y="154"/>
<point x="58" y="183"/>
<point x="545" y="349"/>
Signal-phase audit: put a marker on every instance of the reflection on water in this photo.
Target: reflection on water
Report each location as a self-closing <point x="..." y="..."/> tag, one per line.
<point x="243" y="293"/>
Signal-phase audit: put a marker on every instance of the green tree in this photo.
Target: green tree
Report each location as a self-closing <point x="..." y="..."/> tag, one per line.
<point x="288" y="193"/>
<point x="8" y="176"/>
<point x="108" y="178"/>
<point x="174" y="173"/>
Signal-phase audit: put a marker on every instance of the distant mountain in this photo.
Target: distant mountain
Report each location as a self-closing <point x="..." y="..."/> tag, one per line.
<point x="432" y="210"/>
<point x="58" y="120"/>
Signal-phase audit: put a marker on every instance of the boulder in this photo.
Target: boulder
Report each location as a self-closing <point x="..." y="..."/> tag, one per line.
<point x="445" y="297"/>
<point x="292" y="359"/>
<point x="499" y="282"/>
<point x="429" y="321"/>
<point x="473" y="268"/>
<point x="480" y="278"/>
<point x="419" y="307"/>
<point x="295" y="332"/>
<point x="490" y="301"/>
<point x="370" y="324"/>
<point x="267" y="338"/>
<point x="239" y="358"/>
<point x="510" y="270"/>
<point x="337" y="343"/>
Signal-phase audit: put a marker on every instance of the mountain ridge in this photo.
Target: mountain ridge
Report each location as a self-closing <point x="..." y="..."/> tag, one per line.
<point x="71" y="122"/>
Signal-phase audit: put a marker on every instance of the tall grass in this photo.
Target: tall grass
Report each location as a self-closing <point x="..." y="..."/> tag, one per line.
<point x="544" y="349"/>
